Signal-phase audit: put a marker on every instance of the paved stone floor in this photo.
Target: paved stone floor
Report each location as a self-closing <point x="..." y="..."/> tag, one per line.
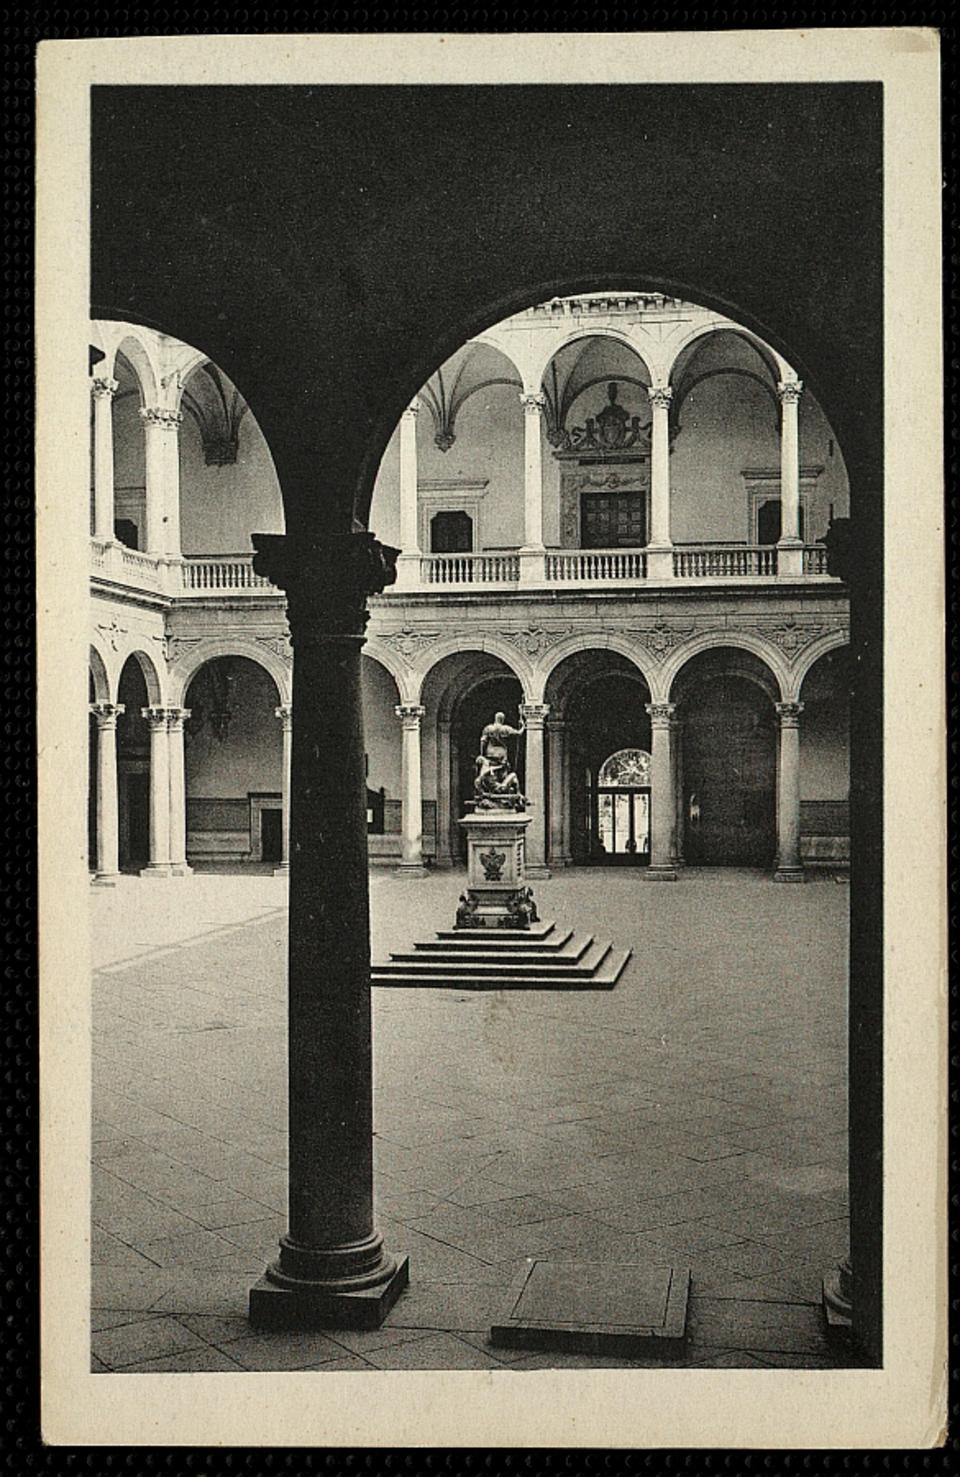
<point x="695" y="1114"/>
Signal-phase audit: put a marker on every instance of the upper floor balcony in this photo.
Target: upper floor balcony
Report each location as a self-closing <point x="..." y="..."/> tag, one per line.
<point x="230" y="576"/>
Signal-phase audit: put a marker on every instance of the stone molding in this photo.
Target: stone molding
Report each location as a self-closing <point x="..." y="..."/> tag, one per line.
<point x="790" y="391"/>
<point x="327" y="581"/>
<point x="660" y="396"/>
<point x="410" y="714"/>
<point x="103" y="387"/>
<point x="160" y="415"/>
<point x="107" y="714"/>
<point x="789" y="714"/>
<point x="661" y="714"/>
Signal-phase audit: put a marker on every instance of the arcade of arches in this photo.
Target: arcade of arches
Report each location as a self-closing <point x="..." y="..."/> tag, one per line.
<point x="610" y="512"/>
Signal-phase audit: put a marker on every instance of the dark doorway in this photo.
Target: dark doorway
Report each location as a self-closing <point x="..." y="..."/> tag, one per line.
<point x="607" y="715"/>
<point x="451" y="533"/>
<point x="138" y="820"/>
<point x="133" y="764"/>
<point x="271" y="836"/>
<point x="729" y="769"/>
<point x="125" y="531"/>
<point x="768" y="521"/>
<point x="93" y="772"/>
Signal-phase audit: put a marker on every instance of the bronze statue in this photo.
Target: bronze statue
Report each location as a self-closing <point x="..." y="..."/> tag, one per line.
<point x="495" y="785"/>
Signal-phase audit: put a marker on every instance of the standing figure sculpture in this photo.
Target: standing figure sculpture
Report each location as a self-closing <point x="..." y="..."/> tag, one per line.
<point x="495" y="785"/>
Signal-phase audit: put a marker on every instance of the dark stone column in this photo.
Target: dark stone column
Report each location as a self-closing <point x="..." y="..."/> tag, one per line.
<point x="332" y="1268"/>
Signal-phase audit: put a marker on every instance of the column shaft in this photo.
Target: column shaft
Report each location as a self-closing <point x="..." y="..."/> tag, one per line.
<point x="534" y="716"/>
<point x="790" y="546"/>
<point x="411" y="807"/>
<point x="408" y="565"/>
<point x="159" y="423"/>
<point x="104" y="390"/>
<point x="558" y="796"/>
<point x="444" y="857"/>
<point x="178" y="791"/>
<point x="285" y="714"/>
<point x="107" y="804"/>
<point x="789" y="864"/>
<point x="159" y="863"/>
<point x="663" y="803"/>
<point x="532" y="553"/>
<point x="659" y="545"/>
<point x="332" y="1268"/>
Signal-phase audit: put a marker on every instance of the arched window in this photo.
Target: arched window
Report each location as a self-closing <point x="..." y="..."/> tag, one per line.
<point x="628" y="769"/>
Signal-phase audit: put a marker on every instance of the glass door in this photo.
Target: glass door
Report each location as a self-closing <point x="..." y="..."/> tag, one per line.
<point x="621" y="809"/>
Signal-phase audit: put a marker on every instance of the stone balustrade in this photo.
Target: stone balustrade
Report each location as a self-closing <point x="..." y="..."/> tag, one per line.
<point x="221" y="575"/>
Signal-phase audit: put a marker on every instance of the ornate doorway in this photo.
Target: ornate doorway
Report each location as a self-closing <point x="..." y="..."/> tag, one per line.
<point x="620" y="810"/>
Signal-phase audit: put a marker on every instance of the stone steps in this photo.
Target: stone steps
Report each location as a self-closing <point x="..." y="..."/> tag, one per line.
<point x="541" y="958"/>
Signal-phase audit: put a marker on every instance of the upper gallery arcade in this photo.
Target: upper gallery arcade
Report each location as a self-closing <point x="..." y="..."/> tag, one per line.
<point x="611" y="512"/>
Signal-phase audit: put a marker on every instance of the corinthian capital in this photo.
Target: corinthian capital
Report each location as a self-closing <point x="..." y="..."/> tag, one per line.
<point x="661" y="714"/>
<point x="410" y="714"/>
<point x="102" y="387"/>
<point x="327" y="581"/>
<point x="790" y="391"/>
<point x="660" y="396"/>
<point x="159" y="415"/>
<point x="532" y="403"/>
<point x="789" y="714"/>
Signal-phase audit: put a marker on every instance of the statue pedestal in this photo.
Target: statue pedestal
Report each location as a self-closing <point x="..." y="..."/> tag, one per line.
<point x="496" y="870"/>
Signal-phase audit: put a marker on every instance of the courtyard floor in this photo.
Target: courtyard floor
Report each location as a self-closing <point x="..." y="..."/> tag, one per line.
<point x="693" y="1115"/>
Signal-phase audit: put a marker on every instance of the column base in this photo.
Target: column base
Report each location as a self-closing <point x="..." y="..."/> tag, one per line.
<point x="326" y="1305"/>
<point x="104" y="879"/>
<point x="538" y="872"/>
<point x="410" y="869"/>
<point x="789" y="874"/>
<point x="837" y="1301"/>
<point x="181" y="869"/>
<point x="660" y="874"/>
<point x="156" y="869"/>
<point x="283" y="870"/>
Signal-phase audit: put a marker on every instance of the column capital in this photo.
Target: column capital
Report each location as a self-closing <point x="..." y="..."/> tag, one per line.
<point x="661" y="714"/>
<point x="156" y="716"/>
<point x="660" y="396"/>
<point x="789" y="714"/>
<point x="107" y="714"/>
<point x="327" y="581"/>
<point x="534" y="715"/>
<point x="103" y="387"/>
<point x="162" y="416"/>
<point x="176" y="717"/>
<point x="790" y="391"/>
<point x="410" y="714"/>
<point x="415" y="407"/>
<point x="285" y="713"/>
<point x="533" y="402"/>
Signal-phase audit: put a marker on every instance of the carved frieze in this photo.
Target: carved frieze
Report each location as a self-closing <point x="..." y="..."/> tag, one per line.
<point x="408" y="641"/>
<point x="534" y="640"/>
<point x="660" y="638"/>
<point x="279" y="643"/>
<point x="111" y="632"/>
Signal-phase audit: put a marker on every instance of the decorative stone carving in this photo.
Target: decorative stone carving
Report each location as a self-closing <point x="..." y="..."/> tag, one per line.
<point x="107" y="714"/>
<point x="532" y="640"/>
<point x="467" y="911"/>
<point x="789" y="714"/>
<point x="410" y="714"/>
<point x="532" y="404"/>
<point x="408" y="641"/>
<point x="327" y="581"/>
<point x="103" y="387"/>
<point x="174" y="647"/>
<point x="534" y="715"/>
<point x="492" y="862"/>
<point x="279" y="644"/>
<point x="660" y="396"/>
<point x="160" y="415"/>
<point x="111" y="632"/>
<point x="790" y="391"/>
<point x="661" y="714"/>
<point x="521" y="909"/>
<point x="660" y="638"/>
<point x="611" y="431"/>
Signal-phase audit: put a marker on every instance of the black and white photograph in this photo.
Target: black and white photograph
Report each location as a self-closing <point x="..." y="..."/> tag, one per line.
<point x="485" y="519"/>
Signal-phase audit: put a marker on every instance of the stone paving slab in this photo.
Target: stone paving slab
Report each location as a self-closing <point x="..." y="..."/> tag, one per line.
<point x="695" y="1114"/>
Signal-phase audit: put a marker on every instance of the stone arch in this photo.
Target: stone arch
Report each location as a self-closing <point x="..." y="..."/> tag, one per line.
<point x="151" y="674"/>
<point x="100" y="673"/>
<point x="774" y="361"/>
<point x="183" y="672"/>
<point x="599" y="641"/>
<point x="809" y="658"/>
<point x="764" y="650"/>
<point x="138" y="356"/>
<point x="408" y="684"/>
<point x="598" y="330"/>
<point x="483" y="641"/>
